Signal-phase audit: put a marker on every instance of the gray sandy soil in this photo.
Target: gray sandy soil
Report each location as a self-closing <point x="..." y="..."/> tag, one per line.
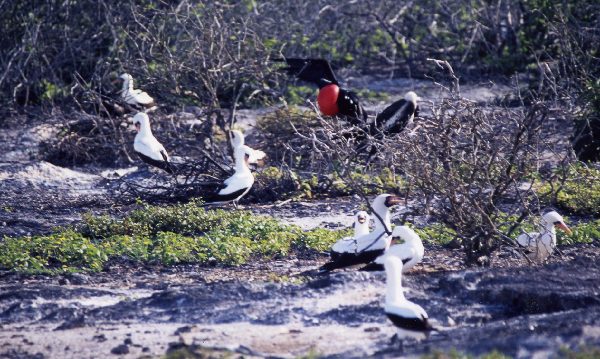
<point x="280" y="308"/>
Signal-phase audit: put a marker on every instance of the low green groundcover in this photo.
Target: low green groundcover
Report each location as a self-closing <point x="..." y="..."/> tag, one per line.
<point x="185" y="233"/>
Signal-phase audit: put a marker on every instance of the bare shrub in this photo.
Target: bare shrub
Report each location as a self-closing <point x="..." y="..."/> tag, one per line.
<point x="469" y="167"/>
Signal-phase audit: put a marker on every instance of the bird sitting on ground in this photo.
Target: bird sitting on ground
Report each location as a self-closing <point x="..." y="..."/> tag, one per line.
<point x="410" y="318"/>
<point x="137" y="98"/>
<point x="240" y="183"/>
<point x="147" y="146"/>
<point x="364" y="249"/>
<point x="361" y="224"/>
<point x="543" y="242"/>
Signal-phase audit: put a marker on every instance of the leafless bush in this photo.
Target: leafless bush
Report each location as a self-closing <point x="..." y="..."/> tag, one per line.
<point x="196" y="53"/>
<point x="469" y="167"/>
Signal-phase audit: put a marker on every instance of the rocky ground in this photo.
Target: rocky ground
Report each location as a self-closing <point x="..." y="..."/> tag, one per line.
<point x="282" y="308"/>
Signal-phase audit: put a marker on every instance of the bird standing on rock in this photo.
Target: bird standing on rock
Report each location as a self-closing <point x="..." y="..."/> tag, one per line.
<point x="147" y="146"/>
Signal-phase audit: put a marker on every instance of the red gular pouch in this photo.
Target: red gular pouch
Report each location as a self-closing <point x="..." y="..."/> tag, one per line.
<point x="327" y="100"/>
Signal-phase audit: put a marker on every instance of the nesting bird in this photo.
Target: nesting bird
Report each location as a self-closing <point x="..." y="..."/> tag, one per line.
<point x="410" y="318"/>
<point x="134" y="97"/>
<point x="364" y="249"/>
<point x="397" y="116"/>
<point x="361" y="224"/>
<point x="240" y="183"/>
<point x="147" y="146"/>
<point x="544" y="242"/>
<point x="332" y="99"/>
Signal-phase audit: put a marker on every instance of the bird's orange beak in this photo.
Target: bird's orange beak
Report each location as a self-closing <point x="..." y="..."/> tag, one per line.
<point x="565" y="228"/>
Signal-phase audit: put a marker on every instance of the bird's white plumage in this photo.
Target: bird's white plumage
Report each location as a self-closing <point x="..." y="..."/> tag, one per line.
<point x="145" y="142"/>
<point x="544" y="242"/>
<point x="412" y="97"/>
<point x="361" y="224"/>
<point x="410" y="247"/>
<point x="242" y="155"/>
<point x="361" y="228"/>
<point x="395" y="301"/>
<point x="253" y="155"/>
<point x="375" y="240"/>
<point x="134" y="96"/>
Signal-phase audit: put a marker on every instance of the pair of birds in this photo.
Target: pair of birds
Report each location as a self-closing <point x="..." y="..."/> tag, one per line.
<point x="334" y="100"/>
<point x="364" y="247"/>
<point x="232" y="189"/>
<point x="396" y="251"/>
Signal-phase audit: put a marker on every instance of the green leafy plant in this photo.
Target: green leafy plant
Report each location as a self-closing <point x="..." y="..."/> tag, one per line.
<point x="185" y="233"/>
<point x="575" y="189"/>
<point x="436" y="233"/>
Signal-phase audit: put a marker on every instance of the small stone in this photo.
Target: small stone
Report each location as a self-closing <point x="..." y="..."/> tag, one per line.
<point x="120" y="349"/>
<point x="100" y="338"/>
<point x="127" y="341"/>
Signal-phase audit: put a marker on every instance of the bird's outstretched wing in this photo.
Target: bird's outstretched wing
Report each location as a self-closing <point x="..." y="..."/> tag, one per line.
<point x="317" y="71"/>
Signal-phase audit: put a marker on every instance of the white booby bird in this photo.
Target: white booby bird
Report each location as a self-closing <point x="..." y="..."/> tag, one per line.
<point x="242" y="180"/>
<point x="364" y="249"/>
<point x="409" y="317"/>
<point x="147" y="146"/>
<point x="133" y="96"/>
<point x="544" y="241"/>
<point x="406" y="245"/>
<point x="361" y="224"/>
